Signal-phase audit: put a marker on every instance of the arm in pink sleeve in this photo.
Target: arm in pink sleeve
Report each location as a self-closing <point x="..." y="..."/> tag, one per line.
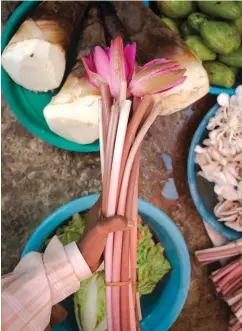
<point x="38" y="282"/>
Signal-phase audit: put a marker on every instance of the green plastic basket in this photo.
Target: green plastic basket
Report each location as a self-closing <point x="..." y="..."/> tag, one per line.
<point x="26" y="105"/>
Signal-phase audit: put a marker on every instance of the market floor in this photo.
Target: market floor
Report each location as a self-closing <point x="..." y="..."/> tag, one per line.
<point x="38" y="178"/>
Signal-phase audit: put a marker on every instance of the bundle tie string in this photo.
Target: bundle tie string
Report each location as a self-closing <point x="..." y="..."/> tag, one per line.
<point x="113" y="284"/>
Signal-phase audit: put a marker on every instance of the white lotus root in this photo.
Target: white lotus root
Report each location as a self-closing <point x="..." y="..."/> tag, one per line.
<point x="221" y="163"/>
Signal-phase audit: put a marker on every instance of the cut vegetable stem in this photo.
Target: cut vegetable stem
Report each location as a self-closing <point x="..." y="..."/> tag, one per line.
<point x="214" y="254"/>
<point x="111" y="207"/>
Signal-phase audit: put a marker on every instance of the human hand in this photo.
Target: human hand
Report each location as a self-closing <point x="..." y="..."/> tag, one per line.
<point x="93" y="242"/>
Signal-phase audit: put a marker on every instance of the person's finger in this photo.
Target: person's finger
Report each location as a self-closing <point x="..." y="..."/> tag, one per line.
<point x="48" y="328"/>
<point x="94" y="214"/>
<point x="93" y="242"/>
<point x="113" y="224"/>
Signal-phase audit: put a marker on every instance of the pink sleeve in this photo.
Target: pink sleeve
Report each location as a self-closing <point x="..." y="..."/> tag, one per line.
<point x="38" y="282"/>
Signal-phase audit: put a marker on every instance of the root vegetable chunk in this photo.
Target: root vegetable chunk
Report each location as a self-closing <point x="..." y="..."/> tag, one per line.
<point x="35" y="57"/>
<point x="73" y="112"/>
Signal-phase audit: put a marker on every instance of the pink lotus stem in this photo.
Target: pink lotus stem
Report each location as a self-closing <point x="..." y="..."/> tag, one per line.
<point x="136" y="103"/>
<point x="231" y="286"/>
<point x="122" y="200"/>
<point x="138" y="306"/>
<point x="236" y="326"/>
<point x="133" y="238"/>
<point x="233" y="297"/>
<point x="236" y="306"/>
<point x="113" y="321"/>
<point x="106" y="181"/>
<point x="119" y="237"/>
<point x="112" y="130"/>
<point x="125" y="260"/>
<point x="132" y="130"/>
<point x="101" y="136"/>
<point x="223" y="271"/>
<point x="132" y="311"/>
<point x="238" y="314"/>
<point x="154" y="113"/>
<point x="217" y="253"/>
<point x="218" y="258"/>
<point x="236" y="273"/>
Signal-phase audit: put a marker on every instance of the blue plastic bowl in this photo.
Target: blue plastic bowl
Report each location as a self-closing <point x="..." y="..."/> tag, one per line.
<point x="161" y="308"/>
<point x="202" y="190"/>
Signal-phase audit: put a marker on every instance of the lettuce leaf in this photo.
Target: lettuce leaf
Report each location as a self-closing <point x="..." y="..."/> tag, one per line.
<point x="72" y="231"/>
<point x="152" y="265"/>
<point x="90" y="304"/>
<point x="90" y="300"/>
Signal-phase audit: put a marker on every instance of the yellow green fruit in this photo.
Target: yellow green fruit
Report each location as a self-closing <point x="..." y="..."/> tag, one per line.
<point x="176" y="8"/>
<point x="228" y="10"/>
<point x="200" y="49"/>
<point x="221" y="37"/>
<point x="219" y="74"/>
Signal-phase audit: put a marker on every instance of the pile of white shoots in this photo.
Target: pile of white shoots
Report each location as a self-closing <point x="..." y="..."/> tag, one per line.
<point x="220" y="158"/>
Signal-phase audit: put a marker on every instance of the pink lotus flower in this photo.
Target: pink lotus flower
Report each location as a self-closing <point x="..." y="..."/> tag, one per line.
<point x="116" y="64"/>
<point x="156" y="76"/>
<point x="111" y="65"/>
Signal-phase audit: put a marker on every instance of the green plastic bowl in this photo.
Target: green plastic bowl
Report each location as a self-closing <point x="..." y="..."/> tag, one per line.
<point x="28" y="106"/>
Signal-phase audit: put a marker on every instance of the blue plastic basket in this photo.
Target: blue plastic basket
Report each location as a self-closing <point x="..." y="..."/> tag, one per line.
<point x="161" y="308"/>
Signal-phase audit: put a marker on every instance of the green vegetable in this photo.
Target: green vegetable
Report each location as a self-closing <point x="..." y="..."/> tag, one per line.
<point x="233" y="59"/>
<point x="228" y="10"/>
<point x="221" y="37"/>
<point x="90" y="304"/>
<point x="176" y="8"/>
<point x="199" y="49"/>
<point x="186" y="29"/>
<point x="219" y="74"/>
<point x="172" y="25"/>
<point x="237" y="24"/>
<point x="239" y="3"/>
<point x="195" y="20"/>
<point x="72" y="231"/>
<point x="152" y="266"/>
<point x="235" y="70"/>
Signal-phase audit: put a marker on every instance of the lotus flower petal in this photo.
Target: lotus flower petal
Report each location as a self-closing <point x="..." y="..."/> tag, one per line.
<point x="160" y="78"/>
<point x="102" y="63"/>
<point x="92" y="77"/>
<point x="117" y="64"/>
<point x="129" y="55"/>
<point x="154" y="62"/>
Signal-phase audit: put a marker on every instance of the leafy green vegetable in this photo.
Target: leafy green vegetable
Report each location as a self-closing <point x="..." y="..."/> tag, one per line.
<point x="90" y="301"/>
<point x="72" y="231"/>
<point x="151" y="263"/>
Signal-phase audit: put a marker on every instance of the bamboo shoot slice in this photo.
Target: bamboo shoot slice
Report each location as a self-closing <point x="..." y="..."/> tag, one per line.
<point x="35" y="57"/>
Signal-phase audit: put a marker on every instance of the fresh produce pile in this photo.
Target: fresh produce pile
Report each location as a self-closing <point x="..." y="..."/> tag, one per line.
<point x="212" y="29"/>
<point x="220" y="159"/>
<point x="228" y="279"/>
<point x="90" y="302"/>
<point x="36" y="58"/>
